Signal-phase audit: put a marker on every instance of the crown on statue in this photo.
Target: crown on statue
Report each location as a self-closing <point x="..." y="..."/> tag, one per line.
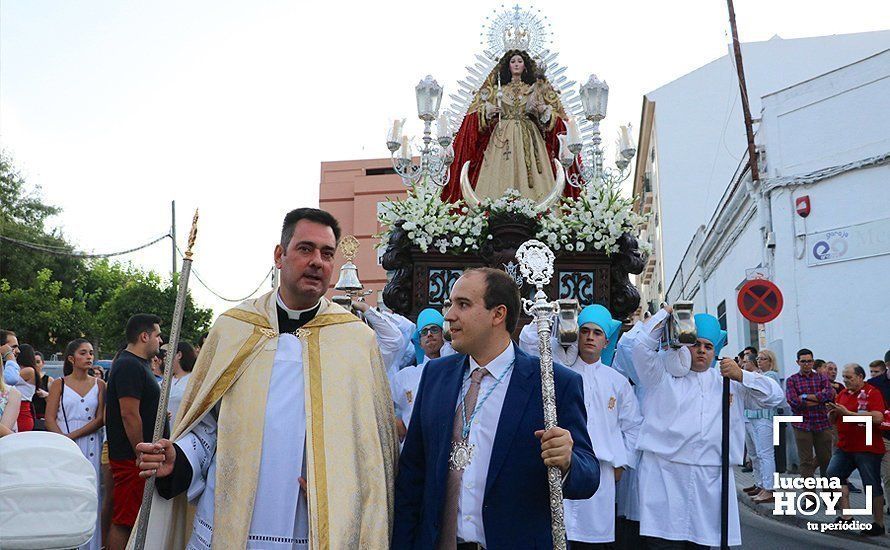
<point x="516" y="38"/>
<point x="516" y="29"/>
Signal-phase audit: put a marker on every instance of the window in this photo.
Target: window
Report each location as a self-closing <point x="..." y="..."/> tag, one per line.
<point x="379" y="171"/>
<point x="721" y="314"/>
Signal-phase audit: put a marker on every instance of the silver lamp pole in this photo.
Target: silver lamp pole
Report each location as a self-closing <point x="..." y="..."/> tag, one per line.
<point x="161" y="418"/>
<point x="536" y="264"/>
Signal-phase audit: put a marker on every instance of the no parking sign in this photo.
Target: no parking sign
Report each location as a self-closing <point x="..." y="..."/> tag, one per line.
<point x="760" y="301"/>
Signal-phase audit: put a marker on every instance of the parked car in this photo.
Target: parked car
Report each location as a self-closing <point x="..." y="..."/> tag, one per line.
<point x="53" y="368"/>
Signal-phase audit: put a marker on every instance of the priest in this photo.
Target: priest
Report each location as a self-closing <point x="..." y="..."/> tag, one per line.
<point x="286" y="434"/>
<point x="680" y="474"/>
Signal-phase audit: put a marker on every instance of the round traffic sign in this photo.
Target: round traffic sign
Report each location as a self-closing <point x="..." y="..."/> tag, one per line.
<point x="760" y="301"/>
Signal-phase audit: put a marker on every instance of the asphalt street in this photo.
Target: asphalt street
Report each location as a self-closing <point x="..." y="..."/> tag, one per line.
<point x="759" y="533"/>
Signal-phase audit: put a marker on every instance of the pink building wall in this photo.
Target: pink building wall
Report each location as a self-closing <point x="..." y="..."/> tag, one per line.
<point x="351" y="191"/>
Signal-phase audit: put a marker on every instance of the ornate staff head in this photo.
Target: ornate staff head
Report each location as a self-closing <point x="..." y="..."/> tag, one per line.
<point x="193" y="234"/>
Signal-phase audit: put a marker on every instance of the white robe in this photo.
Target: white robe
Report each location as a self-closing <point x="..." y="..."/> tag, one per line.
<point x="681" y="438"/>
<point x="389" y="339"/>
<point x="280" y="512"/>
<point x="613" y="433"/>
<point x="613" y="422"/>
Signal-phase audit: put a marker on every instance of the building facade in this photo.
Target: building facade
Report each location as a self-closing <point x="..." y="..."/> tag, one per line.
<point x="824" y="147"/>
<point x="354" y="191"/>
<point x="692" y="140"/>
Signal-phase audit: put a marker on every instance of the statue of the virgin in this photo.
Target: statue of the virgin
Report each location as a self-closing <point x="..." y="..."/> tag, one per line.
<point x="509" y="134"/>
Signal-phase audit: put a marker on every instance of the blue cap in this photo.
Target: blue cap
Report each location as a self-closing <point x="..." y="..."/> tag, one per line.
<point x="600" y="316"/>
<point x="708" y="328"/>
<point x="427" y="317"/>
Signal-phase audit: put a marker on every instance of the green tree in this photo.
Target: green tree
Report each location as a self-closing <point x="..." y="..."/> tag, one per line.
<point x="41" y="316"/>
<point x="23" y="217"/>
<point x="147" y="293"/>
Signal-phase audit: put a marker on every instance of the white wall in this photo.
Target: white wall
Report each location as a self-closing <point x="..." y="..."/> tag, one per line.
<point x="842" y="310"/>
<point x="700" y="132"/>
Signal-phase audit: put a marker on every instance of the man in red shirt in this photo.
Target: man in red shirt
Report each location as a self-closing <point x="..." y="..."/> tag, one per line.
<point x="852" y="453"/>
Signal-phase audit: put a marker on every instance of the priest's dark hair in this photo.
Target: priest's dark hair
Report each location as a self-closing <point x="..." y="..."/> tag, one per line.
<point x="311" y="214"/>
<point x="139" y="323"/>
<point x="500" y="289"/>
<point x="528" y="74"/>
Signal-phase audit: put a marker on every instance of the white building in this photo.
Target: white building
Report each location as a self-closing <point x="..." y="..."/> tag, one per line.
<point x="692" y="136"/>
<point x="827" y="139"/>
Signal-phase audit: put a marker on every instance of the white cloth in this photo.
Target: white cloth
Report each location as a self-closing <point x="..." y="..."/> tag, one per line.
<point x="762" y="435"/>
<point x="404" y="391"/>
<point x="482" y="432"/>
<point x="80" y="411"/>
<point x="682" y="502"/>
<point x="177" y="390"/>
<point x="280" y="513"/>
<point x="682" y="414"/>
<point x="681" y="439"/>
<point x="529" y="343"/>
<point x="389" y="339"/>
<point x="613" y="422"/>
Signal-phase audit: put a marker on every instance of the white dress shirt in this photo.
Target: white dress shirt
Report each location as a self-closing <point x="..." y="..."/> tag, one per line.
<point x="482" y="432"/>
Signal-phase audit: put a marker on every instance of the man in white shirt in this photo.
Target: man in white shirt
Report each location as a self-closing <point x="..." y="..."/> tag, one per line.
<point x="480" y="480"/>
<point x="389" y="337"/>
<point x="680" y="474"/>
<point x="430" y="344"/>
<point x="613" y="421"/>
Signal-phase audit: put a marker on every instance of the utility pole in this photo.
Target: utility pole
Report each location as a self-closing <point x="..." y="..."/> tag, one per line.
<point x="746" y="109"/>
<point x="173" y="237"/>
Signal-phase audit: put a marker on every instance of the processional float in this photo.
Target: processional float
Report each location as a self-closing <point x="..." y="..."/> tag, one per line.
<point x="448" y="222"/>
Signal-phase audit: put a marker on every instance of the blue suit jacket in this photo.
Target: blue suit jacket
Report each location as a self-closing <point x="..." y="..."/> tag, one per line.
<point x="516" y="504"/>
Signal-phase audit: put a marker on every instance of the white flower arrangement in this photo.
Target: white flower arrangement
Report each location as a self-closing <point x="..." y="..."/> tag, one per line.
<point x="590" y="222"/>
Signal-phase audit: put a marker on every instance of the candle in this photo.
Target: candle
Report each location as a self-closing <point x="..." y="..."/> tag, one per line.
<point x="396" y="130"/>
<point x="625" y="141"/>
<point x="405" y="152"/>
<point x="564" y="152"/>
<point x="573" y="135"/>
<point x="443" y="129"/>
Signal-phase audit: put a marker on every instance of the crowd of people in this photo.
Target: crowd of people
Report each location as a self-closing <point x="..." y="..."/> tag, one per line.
<point x="340" y="403"/>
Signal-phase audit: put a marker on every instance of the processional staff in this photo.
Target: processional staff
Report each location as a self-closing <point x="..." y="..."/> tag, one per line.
<point x="536" y="265"/>
<point x="161" y="418"/>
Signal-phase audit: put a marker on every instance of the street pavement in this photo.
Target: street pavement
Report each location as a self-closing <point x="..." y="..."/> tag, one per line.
<point x="761" y="529"/>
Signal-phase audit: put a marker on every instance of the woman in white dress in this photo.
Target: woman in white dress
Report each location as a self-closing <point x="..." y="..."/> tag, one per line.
<point x="76" y="408"/>
<point x="183" y="362"/>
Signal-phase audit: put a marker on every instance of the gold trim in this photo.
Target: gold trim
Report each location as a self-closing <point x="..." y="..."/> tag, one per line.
<point x="315" y="396"/>
<point x="327" y="319"/>
<point x="225" y="380"/>
<point x="248" y="317"/>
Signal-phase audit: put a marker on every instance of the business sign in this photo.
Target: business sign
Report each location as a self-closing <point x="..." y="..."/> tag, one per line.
<point x="849" y="243"/>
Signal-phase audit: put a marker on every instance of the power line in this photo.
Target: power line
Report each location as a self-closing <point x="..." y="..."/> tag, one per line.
<point x="49" y="249"/>
<point x="223" y="298"/>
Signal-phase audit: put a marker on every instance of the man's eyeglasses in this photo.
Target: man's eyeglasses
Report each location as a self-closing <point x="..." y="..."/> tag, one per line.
<point x="432" y="329"/>
<point x="806" y="361"/>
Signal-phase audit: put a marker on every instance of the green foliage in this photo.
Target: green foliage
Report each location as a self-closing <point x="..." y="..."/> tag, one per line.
<point x="146" y="293"/>
<point x="50" y="299"/>
<point x="40" y="315"/>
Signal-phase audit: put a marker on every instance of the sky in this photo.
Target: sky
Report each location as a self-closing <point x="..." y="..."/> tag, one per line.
<point x="116" y="108"/>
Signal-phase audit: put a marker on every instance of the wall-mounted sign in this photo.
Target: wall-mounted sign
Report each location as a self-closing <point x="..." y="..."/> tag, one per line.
<point x="760" y="301"/>
<point x="849" y="243"/>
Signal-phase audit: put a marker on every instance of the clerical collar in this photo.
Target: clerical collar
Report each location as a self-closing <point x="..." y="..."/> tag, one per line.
<point x="294" y="314"/>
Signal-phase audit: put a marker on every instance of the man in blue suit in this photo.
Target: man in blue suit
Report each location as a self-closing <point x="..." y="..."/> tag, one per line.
<point x="473" y="471"/>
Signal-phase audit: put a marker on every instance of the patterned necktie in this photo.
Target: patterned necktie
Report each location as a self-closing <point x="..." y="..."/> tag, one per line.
<point x="448" y="535"/>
